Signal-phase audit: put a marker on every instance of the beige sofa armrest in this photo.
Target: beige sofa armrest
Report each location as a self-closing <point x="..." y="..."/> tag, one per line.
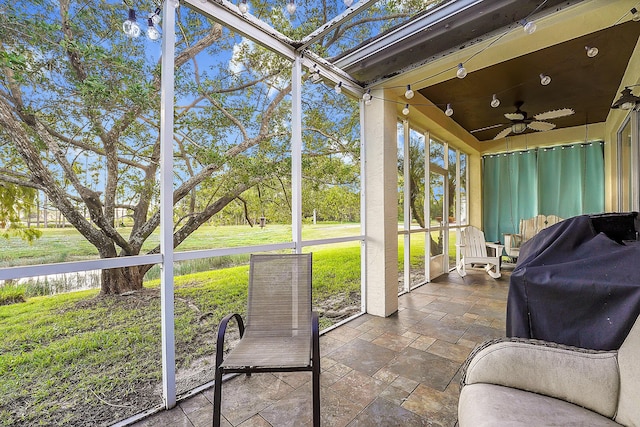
<point x="584" y="377"/>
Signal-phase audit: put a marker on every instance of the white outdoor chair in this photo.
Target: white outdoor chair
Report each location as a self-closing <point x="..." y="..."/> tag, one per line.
<point x="473" y="250"/>
<point x="528" y="228"/>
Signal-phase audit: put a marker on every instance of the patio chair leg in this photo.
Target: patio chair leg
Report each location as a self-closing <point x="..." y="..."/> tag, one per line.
<point x="217" y="397"/>
<point x="460" y="268"/>
<point x="315" y="360"/>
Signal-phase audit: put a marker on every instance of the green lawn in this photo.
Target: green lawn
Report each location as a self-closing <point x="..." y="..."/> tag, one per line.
<point x="74" y="357"/>
<point x="66" y="244"/>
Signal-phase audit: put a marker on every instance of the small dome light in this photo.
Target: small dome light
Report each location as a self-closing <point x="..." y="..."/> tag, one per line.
<point x="449" y="111"/>
<point x="591" y="51"/>
<point x="495" y="102"/>
<point x="544" y="80"/>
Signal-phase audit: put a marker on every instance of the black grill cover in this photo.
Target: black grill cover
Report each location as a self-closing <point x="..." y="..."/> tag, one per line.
<point x="578" y="282"/>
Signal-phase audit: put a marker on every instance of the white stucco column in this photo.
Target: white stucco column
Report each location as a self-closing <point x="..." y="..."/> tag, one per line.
<point x="381" y="205"/>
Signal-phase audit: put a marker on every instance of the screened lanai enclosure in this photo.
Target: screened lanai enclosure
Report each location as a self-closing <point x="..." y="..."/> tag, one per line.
<point x="148" y="148"/>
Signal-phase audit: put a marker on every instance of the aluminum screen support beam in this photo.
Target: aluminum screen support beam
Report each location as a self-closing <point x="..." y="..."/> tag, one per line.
<point x="228" y="15"/>
<point x="166" y="205"/>
<point x="296" y="153"/>
<point x="363" y="212"/>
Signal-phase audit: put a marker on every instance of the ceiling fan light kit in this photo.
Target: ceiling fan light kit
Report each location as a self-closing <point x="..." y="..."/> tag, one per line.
<point x="520" y="121"/>
<point x="518" y="127"/>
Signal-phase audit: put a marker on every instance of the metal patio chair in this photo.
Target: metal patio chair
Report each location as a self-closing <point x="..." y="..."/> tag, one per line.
<point x="281" y="332"/>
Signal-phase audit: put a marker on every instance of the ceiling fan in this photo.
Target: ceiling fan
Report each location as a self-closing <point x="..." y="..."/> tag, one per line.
<point x="520" y="121"/>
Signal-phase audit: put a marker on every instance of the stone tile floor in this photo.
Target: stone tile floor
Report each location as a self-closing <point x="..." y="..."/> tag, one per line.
<point x="402" y="370"/>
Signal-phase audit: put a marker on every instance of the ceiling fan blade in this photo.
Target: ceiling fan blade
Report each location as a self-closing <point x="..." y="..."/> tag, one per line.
<point x="541" y="126"/>
<point x="504" y="132"/>
<point x="514" y="116"/>
<point x="554" y="114"/>
<point x="487" y="128"/>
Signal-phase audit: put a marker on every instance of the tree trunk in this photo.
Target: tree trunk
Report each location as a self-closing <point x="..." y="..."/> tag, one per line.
<point x="123" y="279"/>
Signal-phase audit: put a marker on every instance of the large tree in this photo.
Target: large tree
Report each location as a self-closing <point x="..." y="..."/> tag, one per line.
<point x="79" y="114"/>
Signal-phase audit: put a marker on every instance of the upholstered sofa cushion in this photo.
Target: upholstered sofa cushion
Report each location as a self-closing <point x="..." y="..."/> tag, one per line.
<point x="629" y="362"/>
<point x="582" y="377"/>
<point x="490" y="405"/>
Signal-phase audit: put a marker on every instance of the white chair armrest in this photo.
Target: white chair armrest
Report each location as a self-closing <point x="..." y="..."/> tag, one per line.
<point x="584" y="377"/>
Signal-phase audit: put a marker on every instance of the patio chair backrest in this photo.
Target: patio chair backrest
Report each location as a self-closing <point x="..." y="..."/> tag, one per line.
<point x="474" y="243"/>
<point x="279" y="302"/>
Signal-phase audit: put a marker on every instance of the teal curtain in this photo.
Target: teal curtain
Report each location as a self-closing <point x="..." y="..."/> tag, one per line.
<point x="563" y="181"/>
<point x="509" y="192"/>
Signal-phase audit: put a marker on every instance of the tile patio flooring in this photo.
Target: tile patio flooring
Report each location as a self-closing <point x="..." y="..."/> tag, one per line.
<point x="397" y="371"/>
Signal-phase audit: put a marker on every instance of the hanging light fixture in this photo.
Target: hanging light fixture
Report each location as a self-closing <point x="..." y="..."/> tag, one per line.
<point x="544" y="79"/>
<point x="462" y="72"/>
<point x="130" y="26"/>
<point x="243" y="7"/>
<point x="635" y="15"/>
<point x="449" y="111"/>
<point x="291" y="7"/>
<point x="592" y="51"/>
<point x="409" y="93"/>
<point x="528" y="26"/>
<point x="405" y="110"/>
<point x="348" y="3"/>
<point x="152" y="31"/>
<point x="338" y="88"/>
<point x="627" y="100"/>
<point x="495" y="102"/>
<point x="155" y="16"/>
<point x="367" y="97"/>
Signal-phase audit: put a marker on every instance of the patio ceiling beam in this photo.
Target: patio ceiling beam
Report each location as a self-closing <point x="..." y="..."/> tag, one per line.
<point x="228" y="15"/>
<point x="403" y="32"/>
<point x="337" y="21"/>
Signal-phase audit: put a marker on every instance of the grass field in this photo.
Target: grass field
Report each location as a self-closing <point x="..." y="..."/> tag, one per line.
<point x="73" y="357"/>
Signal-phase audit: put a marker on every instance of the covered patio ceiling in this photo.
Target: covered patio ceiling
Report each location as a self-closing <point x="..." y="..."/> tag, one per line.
<point x="588" y="85"/>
